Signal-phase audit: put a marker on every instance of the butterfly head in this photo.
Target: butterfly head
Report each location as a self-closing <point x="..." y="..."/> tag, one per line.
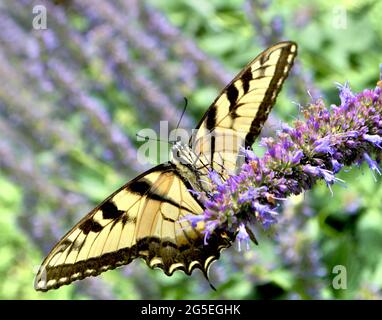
<point x="182" y="153"/>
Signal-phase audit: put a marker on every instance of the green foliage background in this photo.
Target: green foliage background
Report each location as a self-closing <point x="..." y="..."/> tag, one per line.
<point x="58" y="159"/>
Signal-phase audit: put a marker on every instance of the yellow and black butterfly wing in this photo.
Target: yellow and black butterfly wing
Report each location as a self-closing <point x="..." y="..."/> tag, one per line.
<point x="143" y="219"/>
<point x="236" y="117"/>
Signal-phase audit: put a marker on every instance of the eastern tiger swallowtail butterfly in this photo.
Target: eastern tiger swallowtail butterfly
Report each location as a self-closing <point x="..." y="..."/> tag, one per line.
<point x="146" y="217"/>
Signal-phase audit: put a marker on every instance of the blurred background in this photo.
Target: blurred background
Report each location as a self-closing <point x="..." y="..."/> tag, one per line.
<point x="73" y="96"/>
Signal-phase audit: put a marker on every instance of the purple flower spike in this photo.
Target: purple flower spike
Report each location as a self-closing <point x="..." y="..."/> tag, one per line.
<point x="323" y="146"/>
<point x="194" y="219"/>
<point x="297" y="157"/>
<point x="328" y="176"/>
<point x="248" y="195"/>
<point x="250" y="155"/>
<point x="346" y="95"/>
<point x="265" y="214"/>
<point x="312" y="170"/>
<point x="215" y="178"/>
<point x="375" y="139"/>
<point x="372" y="164"/>
<point x="209" y="228"/>
<point x="336" y="166"/>
<point x="286" y="128"/>
<point x="242" y="236"/>
<point x="314" y="148"/>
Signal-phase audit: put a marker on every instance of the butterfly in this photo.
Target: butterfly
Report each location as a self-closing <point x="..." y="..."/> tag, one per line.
<point x="147" y="217"/>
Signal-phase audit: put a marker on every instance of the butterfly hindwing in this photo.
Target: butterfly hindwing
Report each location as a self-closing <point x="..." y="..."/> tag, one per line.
<point x="236" y="117"/>
<point x="144" y="218"/>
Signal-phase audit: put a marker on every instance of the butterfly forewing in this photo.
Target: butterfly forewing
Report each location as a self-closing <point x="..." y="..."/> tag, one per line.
<point x="236" y="117"/>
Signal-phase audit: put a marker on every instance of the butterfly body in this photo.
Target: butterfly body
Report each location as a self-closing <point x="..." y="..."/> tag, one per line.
<point x="147" y="217"/>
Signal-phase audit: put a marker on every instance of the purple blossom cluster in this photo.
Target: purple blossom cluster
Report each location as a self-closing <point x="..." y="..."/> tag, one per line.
<point x="314" y="148"/>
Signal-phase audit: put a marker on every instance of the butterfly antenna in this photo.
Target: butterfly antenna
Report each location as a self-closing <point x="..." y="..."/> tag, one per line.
<point x="184" y="110"/>
<point x="148" y="138"/>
